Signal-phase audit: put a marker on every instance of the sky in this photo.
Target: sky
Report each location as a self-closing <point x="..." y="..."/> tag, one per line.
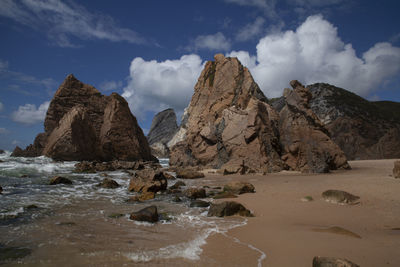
<point x="152" y="52"/>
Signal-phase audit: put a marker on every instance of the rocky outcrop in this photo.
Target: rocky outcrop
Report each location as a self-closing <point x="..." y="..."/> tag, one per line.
<point x="83" y="124"/>
<point x="362" y="129"/>
<point x="227" y="122"/>
<point x="162" y="130"/>
<point x="306" y="144"/>
<point x="148" y="180"/>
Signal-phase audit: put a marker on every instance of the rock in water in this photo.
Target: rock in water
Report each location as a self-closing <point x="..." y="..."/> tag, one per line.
<point x="396" y="169"/>
<point x="162" y="129"/>
<point x="148" y="214"/>
<point x="148" y="180"/>
<point x="59" y="180"/>
<point x="228" y="121"/>
<point x="306" y="143"/>
<point x="228" y="208"/>
<point x="83" y="124"/>
<point x="332" y="262"/>
<point x="108" y="183"/>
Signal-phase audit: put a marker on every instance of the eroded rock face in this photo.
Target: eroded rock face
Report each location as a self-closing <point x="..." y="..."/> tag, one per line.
<point x="162" y="130"/>
<point x="228" y="121"/>
<point x="306" y="144"/>
<point x="83" y="124"/>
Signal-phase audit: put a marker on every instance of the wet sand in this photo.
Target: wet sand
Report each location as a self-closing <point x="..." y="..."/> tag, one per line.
<point x="291" y="232"/>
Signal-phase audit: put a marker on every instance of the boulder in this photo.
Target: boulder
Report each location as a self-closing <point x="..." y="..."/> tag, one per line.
<point x="142" y="197"/>
<point x="2" y="151"/>
<point x="199" y="204"/>
<point x="108" y="183"/>
<point x="163" y="128"/>
<point x="188" y="174"/>
<point x="83" y="124"/>
<point x="194" y="193"/>
<point x="148" y="180"/>
<point x="228" y="120"/>
<point x="332" y="262"/>
<point x="396" y="169"/>
<point x="59" y="180"/>
<point x="228" y="208"/>
<point x="306" y="144"/>
<point x="340" y="197"/>
<point x="148" y="214"/>
<point x="239" y="187"/>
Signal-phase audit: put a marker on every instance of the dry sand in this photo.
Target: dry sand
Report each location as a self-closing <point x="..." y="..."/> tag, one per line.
<point x="291" y="232"/>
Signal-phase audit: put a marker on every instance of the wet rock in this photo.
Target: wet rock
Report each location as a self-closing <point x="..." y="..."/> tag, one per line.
<point x="169" y="176"/>
<point x="332" y="262"/>
<point x="8" y="254"/>
<point x="142" y="197"/>
<point x="23" y="176"/>
<point x="1" y="190"/>
<point x="194" y="193"/>
<point x="189" y="174"/>
<point x="148" y="180"/>
<point x="228" y="208"/>
<point x="93" y="166"/>
<point x="340" y="197"/>
<point x="2" y="151"/>
<point x="177" y="185"/>
<point x="224" y="194"/>
<point x="66" y="223"/>
<point x="176" y="199"/>
<point x="31" y="207"/>
<point x="239" y="187"/>
<point x="116" y="215"/>
<point x="59" y="180"/>
<point x="108" y="183"/>
<point x="148" y="214"/>
<point x="306" y="144"/>
<point x="199" y="204"/>
<point x="396" y="169"/>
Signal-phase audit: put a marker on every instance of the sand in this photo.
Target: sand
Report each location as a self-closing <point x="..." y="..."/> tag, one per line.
<point x="291" y="232"/>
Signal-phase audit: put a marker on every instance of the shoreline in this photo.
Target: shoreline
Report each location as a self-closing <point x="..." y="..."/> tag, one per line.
<point x="291" y="232"/>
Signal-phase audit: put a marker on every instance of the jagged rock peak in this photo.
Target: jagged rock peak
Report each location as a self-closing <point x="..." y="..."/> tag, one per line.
<point x="163" y="127"/>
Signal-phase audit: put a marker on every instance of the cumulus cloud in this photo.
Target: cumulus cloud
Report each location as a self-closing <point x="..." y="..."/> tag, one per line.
<point x="29" y="114"/>
<point x="251" y="30"/>
<point x="154" y="85"/>
<point x="61" y="21"/>
<point x="315" y="53"/>
<point x="213" y="42"/>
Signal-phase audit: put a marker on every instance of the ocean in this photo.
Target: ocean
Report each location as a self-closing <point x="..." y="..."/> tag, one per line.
<point x="84" y="225"/>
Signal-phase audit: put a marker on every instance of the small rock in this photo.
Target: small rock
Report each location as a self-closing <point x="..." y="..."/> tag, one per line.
<point x="340" y="197"/>
<point x="108" y="183"/>
<point x="177" y="185"/>
<point x="307" y="199"/>
<point x="224" y="194"/>
<point x="31" y="207"/>
<point x="12" y="253"/>
<point x="194" y="193"/>
<point x="239" y="187"/>
<point x="177" y="199"/>
<point x="332" y="262"/>
<point x="228" y="208"/>
<point x="148" y="214"/>
<point x="60" y="180"/>
<point x="23" y="176"/>
<point x="199" y="204"/>
<point x="189" y="174"/>
<point x="116" y="215"/>
<point x="396" y="169"/>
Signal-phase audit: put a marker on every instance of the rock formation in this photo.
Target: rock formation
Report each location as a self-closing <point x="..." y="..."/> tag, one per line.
<point x="306" y="144"/>
<point x="227" y="122"/>
<point x="229" y="125"/>
<point x="163" y="128"/>
<point x="83" y="124"/>
<point x="362" y="129"/>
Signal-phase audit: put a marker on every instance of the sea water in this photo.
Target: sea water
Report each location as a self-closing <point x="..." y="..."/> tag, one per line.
<point x="73" y="225"/>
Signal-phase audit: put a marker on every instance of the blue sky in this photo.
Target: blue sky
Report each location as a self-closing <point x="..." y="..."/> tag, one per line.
<point x="152" y="52"/>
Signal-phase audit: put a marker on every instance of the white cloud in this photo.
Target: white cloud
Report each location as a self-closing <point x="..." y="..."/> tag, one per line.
<point x="29" y="114"/>
<point x="110" y="85"/>
<point x="154" y="85"/>
<point x="61" y="21"/>
<point x="213" y="42"/>
<point x="315" y="53"/>
<point x="251" y="30"/>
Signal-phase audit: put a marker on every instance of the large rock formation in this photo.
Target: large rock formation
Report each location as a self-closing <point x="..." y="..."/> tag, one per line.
<point x="227" y="122"/>
<point x="230" y="125"/>
<point x="362" y="129"/>
<point x="83" y="124"/>
<point x="306" y="144"/>
<point x="162" y="130"/>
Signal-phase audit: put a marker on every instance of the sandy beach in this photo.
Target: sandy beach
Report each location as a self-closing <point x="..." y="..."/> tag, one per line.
<point x="291" y="232"/>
